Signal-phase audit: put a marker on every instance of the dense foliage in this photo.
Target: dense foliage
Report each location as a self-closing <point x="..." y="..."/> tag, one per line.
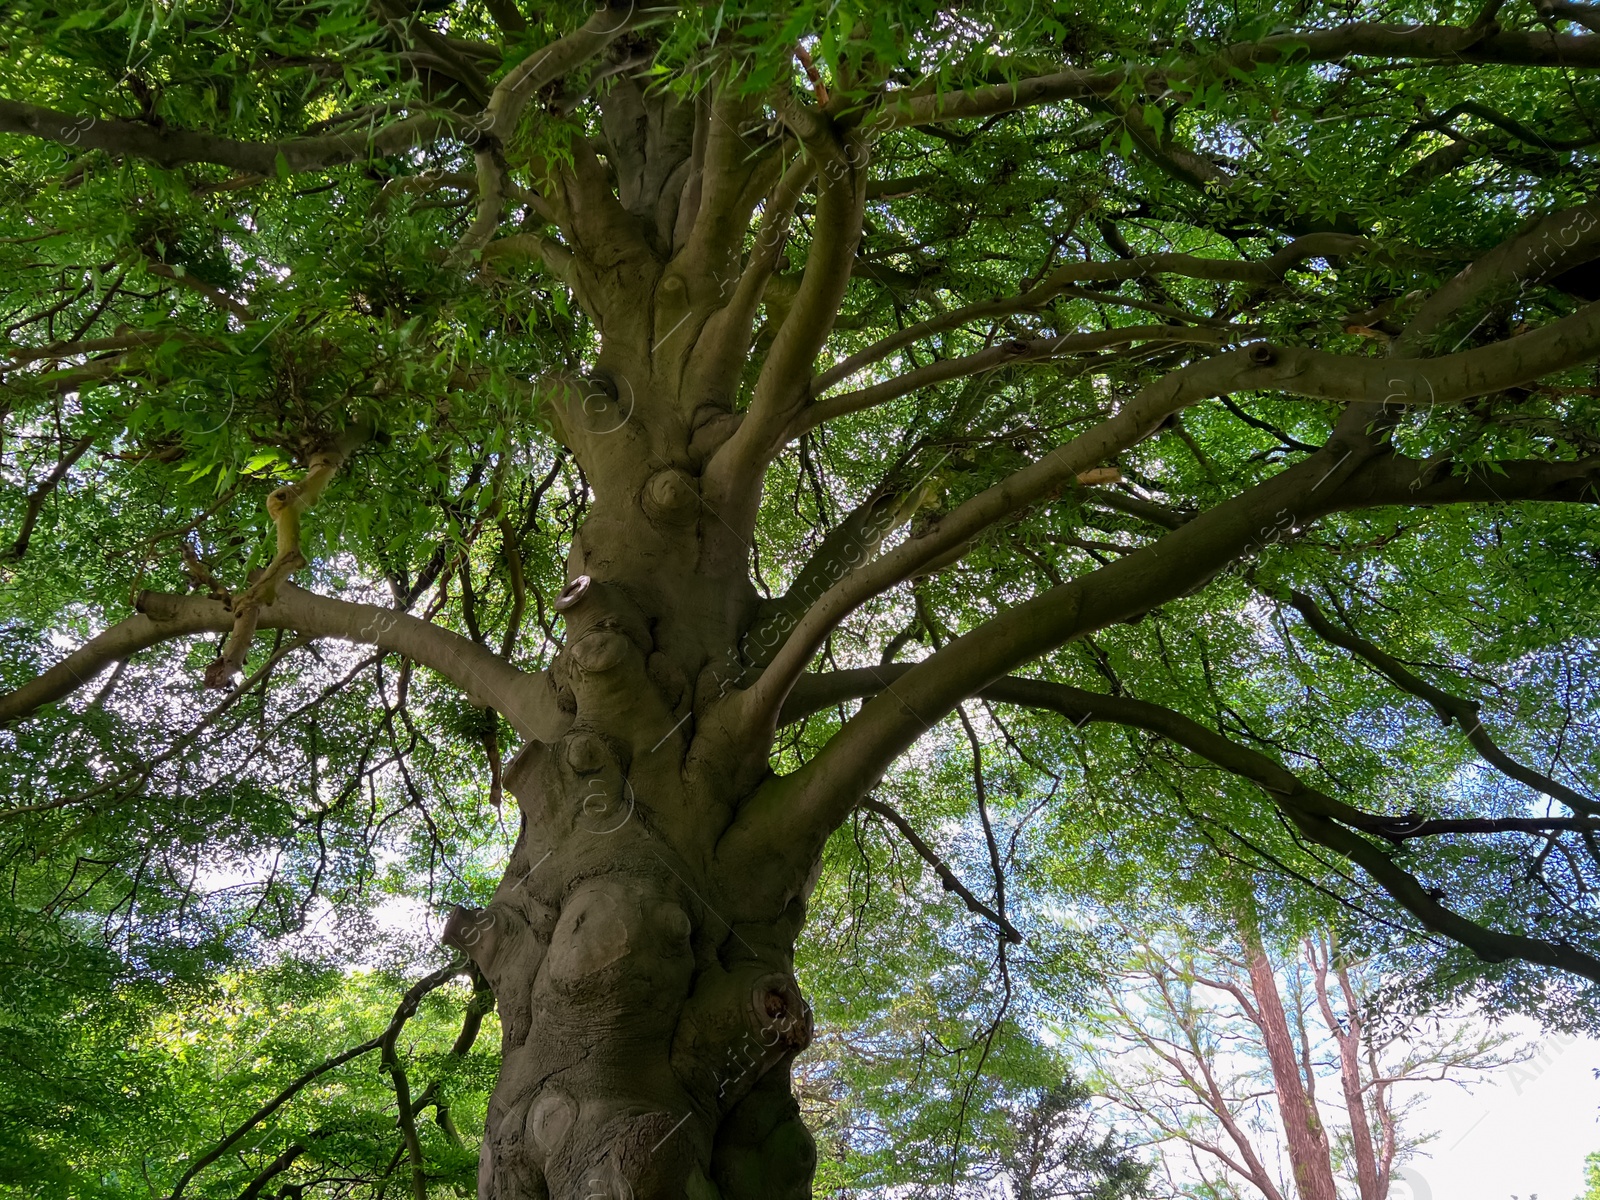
<point x="233" y="234"/>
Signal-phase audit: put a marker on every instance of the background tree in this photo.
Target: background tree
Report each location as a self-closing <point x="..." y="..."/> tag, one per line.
<point x="1273" y="1078"/>
<point x="634" y="387"/>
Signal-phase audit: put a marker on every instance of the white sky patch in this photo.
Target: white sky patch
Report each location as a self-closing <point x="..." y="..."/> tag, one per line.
<point x="1523" y="1133"/>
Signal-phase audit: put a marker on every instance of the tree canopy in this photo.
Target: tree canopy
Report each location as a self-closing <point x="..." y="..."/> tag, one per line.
<point x="1047" y="460"/>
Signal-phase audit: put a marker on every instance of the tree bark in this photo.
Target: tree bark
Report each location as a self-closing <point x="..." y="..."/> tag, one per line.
<point x="650" y="1016"/>
<point x="1372" y="1182"/>
<point x="1310" y="1155"/>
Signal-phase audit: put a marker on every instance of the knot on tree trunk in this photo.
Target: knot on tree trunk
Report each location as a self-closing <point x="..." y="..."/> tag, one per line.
<point x="671" y="497"/>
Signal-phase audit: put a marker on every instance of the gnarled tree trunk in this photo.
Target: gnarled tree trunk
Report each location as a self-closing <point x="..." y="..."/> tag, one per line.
<point x="650" y="1012"/>
<point x="641" y="945"/>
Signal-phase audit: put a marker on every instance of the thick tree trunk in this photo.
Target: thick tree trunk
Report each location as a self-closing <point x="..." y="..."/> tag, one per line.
<point x="646" y="1044"/>
<point x="650" y="1015"/>
<point x="642" y="959"/>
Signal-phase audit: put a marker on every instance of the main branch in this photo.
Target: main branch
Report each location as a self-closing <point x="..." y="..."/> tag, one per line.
<point x="528" y="701"/>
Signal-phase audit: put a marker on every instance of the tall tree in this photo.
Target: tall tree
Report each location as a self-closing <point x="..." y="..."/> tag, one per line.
<point x="1228" y="1056"/>
<point x="808" y="335"/>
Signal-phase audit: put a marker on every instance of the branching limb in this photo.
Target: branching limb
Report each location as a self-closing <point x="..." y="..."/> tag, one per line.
<point x="789" y="818"/>
<point x="723" y="160"/>
<point x="1007" y="353"/>
<point x="216" y="296"/>
<point x="1266" y="272"/>
<point x="492" y="190"/>
<point x="854" y="541"/>
<point x="725" y="341"/>
<point x="498" y="123"/>
<point x="80" y="379"/>
<point x="60" y="351"/>
<point x="406" y="1117"/>
<point x="1447" y="43"/>
<point x="1324" y="819"/>
<point x="1404" y="482"/>
<point x="403" y="1013"/>
<point x="412" y="29"/>
<point x="1499" y="120"/>
<point x="781" y="387"/>
<point x="1587" y="15"/>
<point x="1556" y="243"/>
<point x="285" y="506"/>
<point x="278" y="1166"/>
<point x="42" y="492"/>
<point x="544" y="66"/>
<point x="527" y="701"/>
<point x="947" y="877"/>
<point x="952" y="532"/>
<point x="1162" y="149"/>
<point x="1444" y="380"/>
<point x="170" y="147"/>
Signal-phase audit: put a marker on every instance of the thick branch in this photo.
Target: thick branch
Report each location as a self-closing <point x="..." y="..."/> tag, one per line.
<point x="853" y="541"/>
<point x="406" y="1117"/>
<point x="780" y="389"/>
<point x="61" y="351"/>
<point x="1556" y="243"/>
<point x="785" y="823"/>
<point x="522" y="82"/>
<point x="1587" y="15"/>
<point x="725" y="342"/>
<point x="1450" y="43"/>
<point x="171" y="147"/>
<point x="1298" y="371"/>
<point x="1322" y="817"/>
<point x="528" y="701"/>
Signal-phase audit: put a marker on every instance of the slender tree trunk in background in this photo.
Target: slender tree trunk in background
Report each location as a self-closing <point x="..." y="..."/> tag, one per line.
<point x="1372" y="1181"/>
<point x="1310" y="1155"/>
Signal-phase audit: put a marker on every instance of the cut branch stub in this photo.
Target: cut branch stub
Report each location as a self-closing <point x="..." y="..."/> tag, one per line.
<point x="572" y="593"/>
<point x="670" y="497"/>
<point x="780" y="1013"/>
<point x="586" y="753"/>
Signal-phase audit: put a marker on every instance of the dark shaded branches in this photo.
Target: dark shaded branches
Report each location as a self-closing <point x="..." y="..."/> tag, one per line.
<point x="1450" y="707"/>
<point x="403" y="1012"/>
<point x="1325" y="820"/>
<point x="947" y="878"/>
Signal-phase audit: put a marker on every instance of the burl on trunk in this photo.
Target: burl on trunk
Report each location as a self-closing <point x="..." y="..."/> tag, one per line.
<point x="650" y="1016"/>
